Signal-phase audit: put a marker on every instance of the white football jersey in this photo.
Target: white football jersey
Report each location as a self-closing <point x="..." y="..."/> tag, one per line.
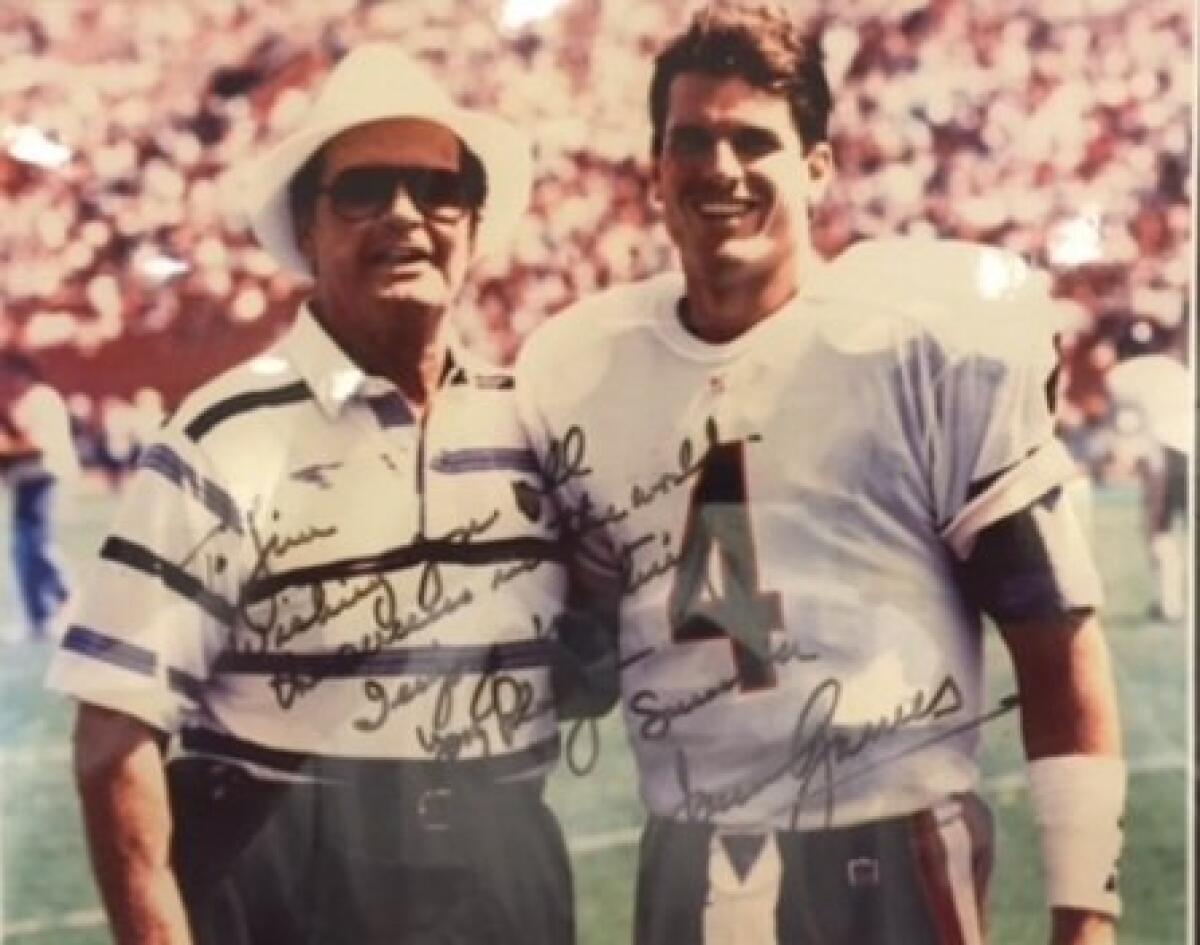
<point x="784" y="515"/>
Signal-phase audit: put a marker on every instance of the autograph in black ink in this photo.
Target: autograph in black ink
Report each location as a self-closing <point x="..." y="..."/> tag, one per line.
<point x="266" y="625"/>
<point x="294" y="610"/>
<point x="565" y="462"/>
<point x="505" y="573"/>
<point x="581" y="751"/>
<point x="504" y="700"/>
<point x="819" y="747"/>
<point x="658" y="715"/>
<point x="400" y="693"/>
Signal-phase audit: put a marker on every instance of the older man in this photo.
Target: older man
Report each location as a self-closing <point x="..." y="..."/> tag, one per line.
<point x="322" y="600"/>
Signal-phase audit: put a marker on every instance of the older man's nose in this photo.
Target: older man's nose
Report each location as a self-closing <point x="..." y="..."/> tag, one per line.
<point x="402" y="204"/>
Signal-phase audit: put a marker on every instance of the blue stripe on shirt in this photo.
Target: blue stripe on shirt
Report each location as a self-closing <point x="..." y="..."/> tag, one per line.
<point x="84" y="641"/>
<point x="87" y="642"/>
<point x="169" y="464"/>
<point x="391" y="410"/>
<point x="485" y="460"/>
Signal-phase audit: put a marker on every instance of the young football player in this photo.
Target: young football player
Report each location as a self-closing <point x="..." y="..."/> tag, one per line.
<point x="806" y="488"/>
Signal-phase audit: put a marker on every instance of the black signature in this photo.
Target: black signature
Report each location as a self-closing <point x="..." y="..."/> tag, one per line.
<point x="505" y="573"/>
<point x="581" y="752"/>
<point x="632" y="577"/>
<point x="689" y="462"/>
<point x="818" y="747"/>
<point x="500" y="698"/>
<point x="577" y="517"/>
<point x="394" y="624"/>
<point x="289" y="685"/>
<point x="316" y="604"/>
<point x="387" y="699"/>
<point x="266" y="625"/>
<point x="565" y="461"/>
<point x="658" y="716"/>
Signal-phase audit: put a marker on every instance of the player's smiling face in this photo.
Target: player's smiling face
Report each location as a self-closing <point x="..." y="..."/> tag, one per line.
<point x="735" y="181"/>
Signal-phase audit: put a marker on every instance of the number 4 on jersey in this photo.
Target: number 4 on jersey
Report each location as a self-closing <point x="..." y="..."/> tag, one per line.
<point x="718" y="523"/>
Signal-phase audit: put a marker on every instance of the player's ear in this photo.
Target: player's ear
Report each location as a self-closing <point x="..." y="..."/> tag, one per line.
<point x="819" y="164"/>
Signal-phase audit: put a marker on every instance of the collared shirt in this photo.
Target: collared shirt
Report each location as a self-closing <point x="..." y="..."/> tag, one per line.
<point x="303" y="567"/>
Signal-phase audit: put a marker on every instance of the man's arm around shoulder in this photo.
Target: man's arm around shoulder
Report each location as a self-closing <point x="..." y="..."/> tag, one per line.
<point x="123" y="791"/>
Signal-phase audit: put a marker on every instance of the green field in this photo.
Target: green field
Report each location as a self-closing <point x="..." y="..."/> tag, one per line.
<point x="48" y="897"/>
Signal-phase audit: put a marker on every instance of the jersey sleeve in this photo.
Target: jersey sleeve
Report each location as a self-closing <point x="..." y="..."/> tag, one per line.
<point x="558" y="432"/>
<point x="994" y="451"/>
<point x="161" y="596"/>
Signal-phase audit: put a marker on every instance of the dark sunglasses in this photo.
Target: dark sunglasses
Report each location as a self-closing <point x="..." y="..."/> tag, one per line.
<point x="358" y="193"/>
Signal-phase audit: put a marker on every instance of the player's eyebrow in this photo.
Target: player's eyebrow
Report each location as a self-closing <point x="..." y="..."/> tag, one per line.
<point x="748" y="141"/>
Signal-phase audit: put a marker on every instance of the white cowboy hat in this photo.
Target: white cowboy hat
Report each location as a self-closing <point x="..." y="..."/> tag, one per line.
<point x="374" y="82"/>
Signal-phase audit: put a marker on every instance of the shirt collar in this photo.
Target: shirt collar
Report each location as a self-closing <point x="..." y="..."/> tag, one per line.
<point x="329" y="373"/>
<point x="335" y="380"/>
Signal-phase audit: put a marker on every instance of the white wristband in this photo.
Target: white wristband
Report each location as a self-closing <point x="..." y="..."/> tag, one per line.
<point x="1078" y="802"/>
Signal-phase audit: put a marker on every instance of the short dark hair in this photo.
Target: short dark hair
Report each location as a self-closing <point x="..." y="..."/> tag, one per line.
<point x="755" y="40"/>
<point x="303" y="187"/>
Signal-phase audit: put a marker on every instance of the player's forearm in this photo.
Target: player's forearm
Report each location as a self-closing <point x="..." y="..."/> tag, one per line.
<point x="1080" y="927"/>
<point x="1071" y="730"/>
<point x="127" y="819"/>
<point x="1064" y="678"/>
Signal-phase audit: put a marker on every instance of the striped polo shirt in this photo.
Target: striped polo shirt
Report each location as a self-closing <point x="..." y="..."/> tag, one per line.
<point x="302" y="567"/>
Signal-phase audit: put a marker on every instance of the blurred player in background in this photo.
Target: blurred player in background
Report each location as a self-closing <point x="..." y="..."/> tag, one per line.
<point x="1152" y="397"/>
<point x="39" y="466"/>
<point x="804" y="489"/>
<point x="322" y="600"/>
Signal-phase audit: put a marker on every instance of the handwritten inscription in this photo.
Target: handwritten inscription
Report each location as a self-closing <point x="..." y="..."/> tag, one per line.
<point x="498" y="705"/>
<point x="510" y="572"/>
<point x="577" y="511"/>
<point x="818" y="747"/>
<point x="289" y="685"/>
<point x="385" y="698"/>
<point x="269" y="549"/>
<point x="296" y="610"/>
<point x="385" y="616"/>
<point x="484" y="713"/>
<point x="582" y="749"/>
<point x="662" y="561"/>
<point x="501" y="699"/>
<point x="689" y="463"/>
<point x="657" y="714"/>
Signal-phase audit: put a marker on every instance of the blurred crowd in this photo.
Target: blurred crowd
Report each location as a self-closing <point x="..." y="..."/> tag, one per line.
<point x="1060" y="130"/>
